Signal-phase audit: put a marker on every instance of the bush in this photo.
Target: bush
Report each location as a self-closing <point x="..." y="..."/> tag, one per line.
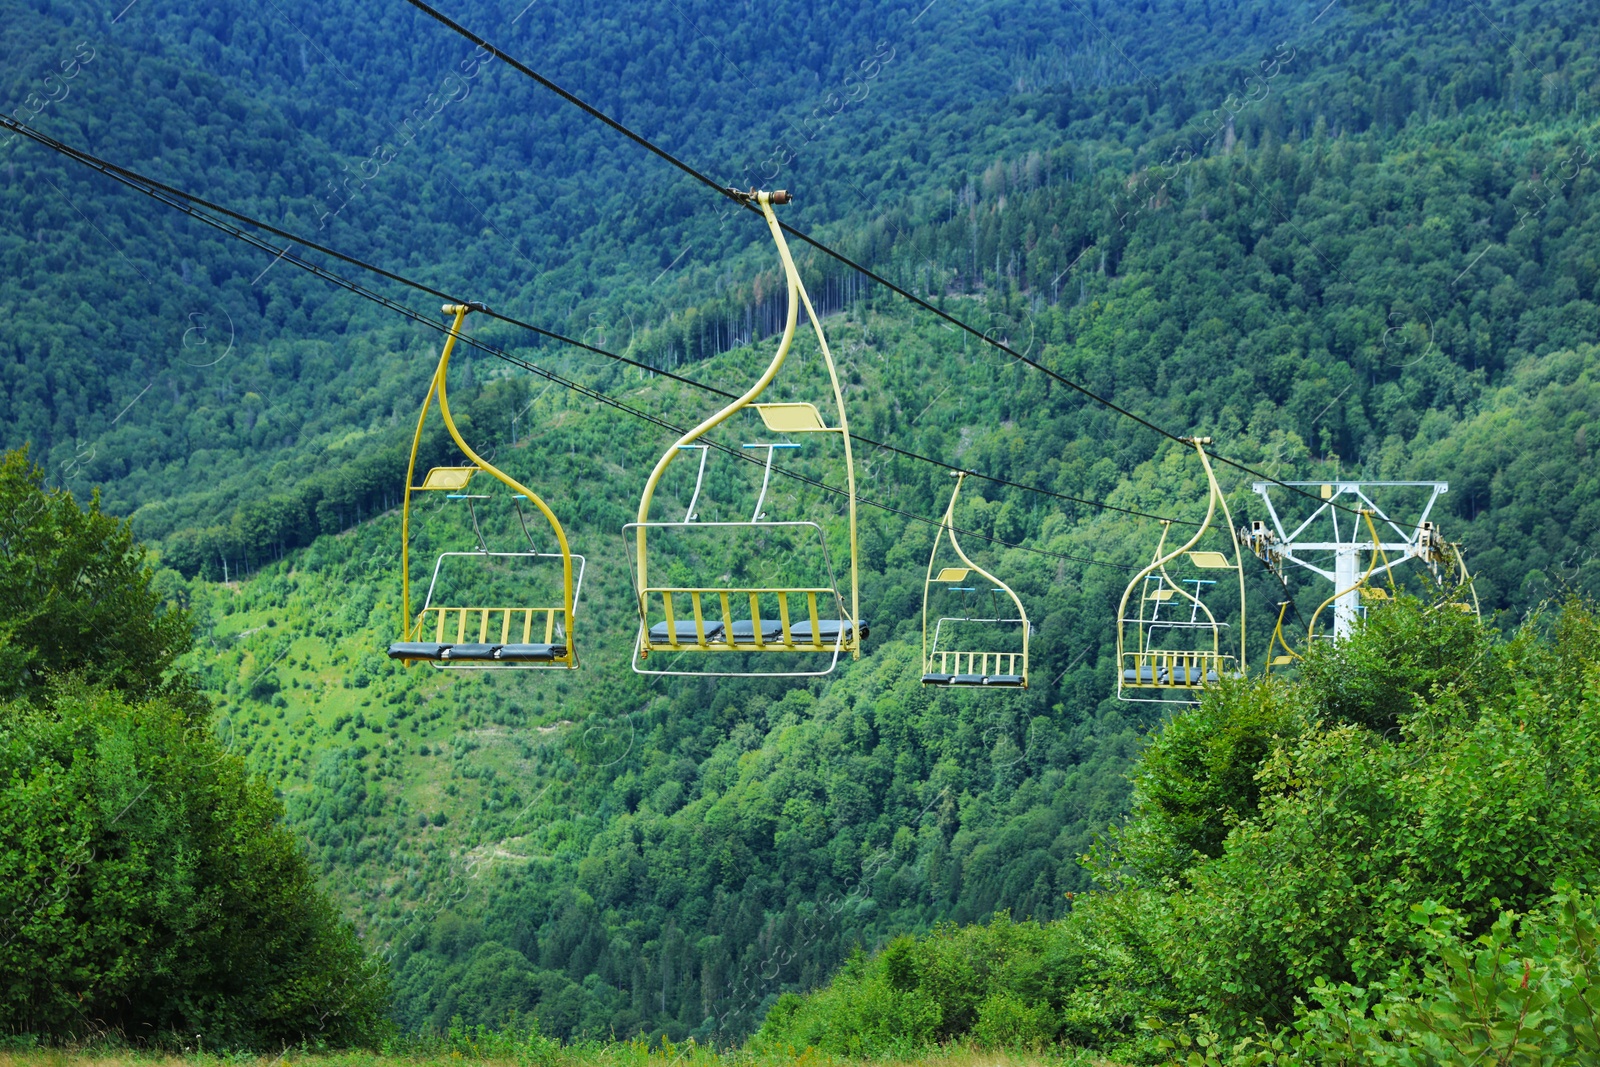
<point x="1527" y="991"/>
<point x="1421" y="792"/>
<point x="157" y="896"/>
<point x="79" y="597"/>
<point x="148" y="887"/>
<point x="998" y="982"/>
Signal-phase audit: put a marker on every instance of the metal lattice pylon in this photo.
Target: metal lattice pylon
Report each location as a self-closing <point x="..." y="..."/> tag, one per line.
<point x="1331" y="541"/>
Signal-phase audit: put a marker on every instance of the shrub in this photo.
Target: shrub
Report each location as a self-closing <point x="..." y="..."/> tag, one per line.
<point x="157" y="894"/>
<point x="1421" y="792"/>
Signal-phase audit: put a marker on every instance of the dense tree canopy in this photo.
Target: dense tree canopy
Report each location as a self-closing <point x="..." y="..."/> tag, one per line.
<point x="79" y="594"/>
<point x="1342" y="240"/>
<point x="154" y="893"/>
<point x="1289" y="864"/>
<point x="150" y="888"/>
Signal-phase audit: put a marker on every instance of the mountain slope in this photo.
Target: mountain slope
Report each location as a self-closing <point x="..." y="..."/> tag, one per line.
<point x="1352" y="243"/>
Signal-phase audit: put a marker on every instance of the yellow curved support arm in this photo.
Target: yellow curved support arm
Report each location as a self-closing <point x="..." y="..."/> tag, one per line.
<point x="797" y="298"/>
<point x="947" y="528"/>
<point x="1460" y="563"/>
<point x="1289" y="655"/>
<point x="438" y="385"/>
<point x="405" y="510"/>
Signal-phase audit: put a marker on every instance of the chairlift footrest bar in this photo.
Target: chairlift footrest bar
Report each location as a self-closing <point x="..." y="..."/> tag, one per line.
<point x="714" y="636"/>
<point x="1003" y="681"/>
<point x="476" y="652"/>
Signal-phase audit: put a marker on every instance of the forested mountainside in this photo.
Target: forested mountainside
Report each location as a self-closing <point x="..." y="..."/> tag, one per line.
<point x="405" y="147"/>
<point x="1347" y="239"/>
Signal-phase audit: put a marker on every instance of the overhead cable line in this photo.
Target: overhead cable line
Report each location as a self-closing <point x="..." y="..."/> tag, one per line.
<point x="743" y="199"/>
<point x="136" y="180"/>
<point x="126" y="175"/>
<point x="185" y="203"/>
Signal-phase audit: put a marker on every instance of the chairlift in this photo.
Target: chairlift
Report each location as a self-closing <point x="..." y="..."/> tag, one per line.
<point x="949" y="658"/>
<point x="1170" y="640"/>
<point x="513" y="634"/>
<point x="777" y="623"/>
<point x="1454" y="586"/>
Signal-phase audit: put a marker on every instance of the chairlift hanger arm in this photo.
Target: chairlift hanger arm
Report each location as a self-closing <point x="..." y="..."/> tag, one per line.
<point x="791" y="320"/>
<point x="1289" y="655"/>
<point x="405" y="510"/>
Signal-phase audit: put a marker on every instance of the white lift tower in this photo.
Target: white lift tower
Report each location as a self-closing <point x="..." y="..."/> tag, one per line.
<point x="1338" y="558"/>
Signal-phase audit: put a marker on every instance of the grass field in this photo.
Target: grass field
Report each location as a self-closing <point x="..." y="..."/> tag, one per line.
<point x="611" y="1054"/>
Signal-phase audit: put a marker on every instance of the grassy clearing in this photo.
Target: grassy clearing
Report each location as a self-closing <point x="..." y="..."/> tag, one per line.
<point x="546" y="1054"/>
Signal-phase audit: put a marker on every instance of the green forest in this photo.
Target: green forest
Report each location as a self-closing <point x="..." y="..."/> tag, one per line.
<point x="1347" y="241"/>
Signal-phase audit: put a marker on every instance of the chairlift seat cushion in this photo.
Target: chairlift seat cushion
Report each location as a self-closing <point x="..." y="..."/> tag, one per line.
<point x="529" y="653"/>
<point x="1145" y="675"/>
<point x="1003" y="679"/>
<point x="416" y="650"/>
<point x="937" y="679"/>
<point x="468" y="651"/>
<point x="828" y="629"/>
<point x="771" y="630"/>
<point x="1186" y="674"/>
<point x="967" y="679"/>
<point x="685" y="631"/>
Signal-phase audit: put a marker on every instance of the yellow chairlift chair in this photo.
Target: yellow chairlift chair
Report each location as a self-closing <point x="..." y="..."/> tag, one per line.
<point x="487" y="636"/>
<point x="946" y="658"/>
<point x="1169" y="639"/>
<point x="786" y="628"/>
